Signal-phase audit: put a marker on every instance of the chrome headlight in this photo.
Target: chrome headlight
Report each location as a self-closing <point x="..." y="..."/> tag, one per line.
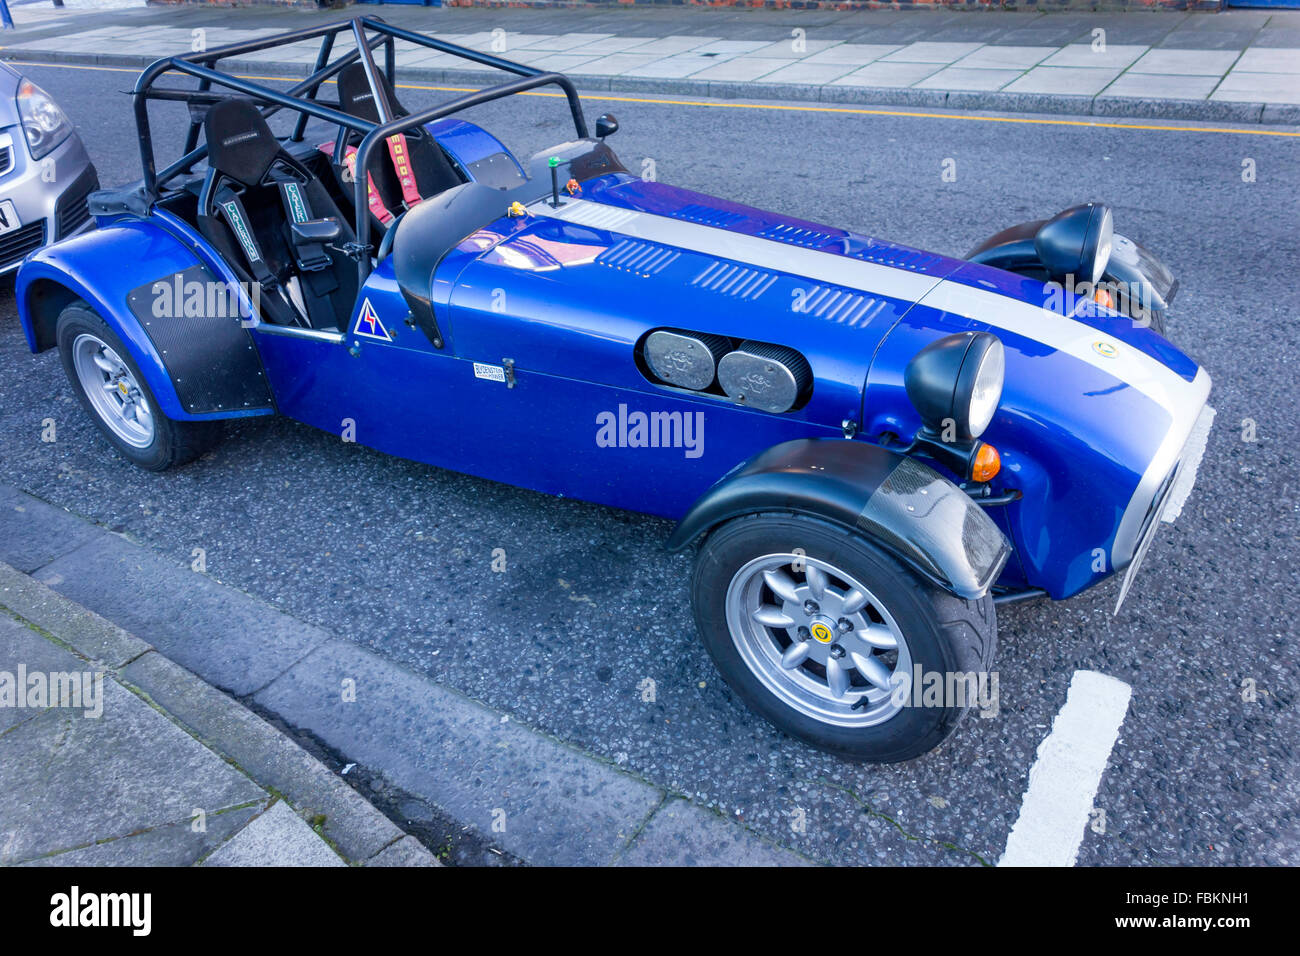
<point x="44" y="124"/>
<point x="957" y="379"/>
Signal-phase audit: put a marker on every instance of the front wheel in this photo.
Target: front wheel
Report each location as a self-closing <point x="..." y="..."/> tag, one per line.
<point x="111" y="388"/>
<point x="835" y="642"/>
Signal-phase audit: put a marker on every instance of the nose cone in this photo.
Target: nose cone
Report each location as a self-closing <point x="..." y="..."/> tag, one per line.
<point x="1093" y="416"/>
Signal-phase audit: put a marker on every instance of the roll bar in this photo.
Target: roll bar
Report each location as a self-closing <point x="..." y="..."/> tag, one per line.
<point x="369" y="32"/>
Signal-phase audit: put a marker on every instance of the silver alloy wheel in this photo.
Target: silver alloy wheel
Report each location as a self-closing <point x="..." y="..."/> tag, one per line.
<point x="819" y="640"/>
<point x="113" y="391"/>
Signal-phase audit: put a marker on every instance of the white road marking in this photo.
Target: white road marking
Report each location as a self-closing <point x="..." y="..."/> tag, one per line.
<point x="1064" y="779"/>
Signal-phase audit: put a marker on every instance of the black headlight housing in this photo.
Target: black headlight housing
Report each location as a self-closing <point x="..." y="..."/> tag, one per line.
<point x="1077" y="242"/>
<point x="955" y="384"/>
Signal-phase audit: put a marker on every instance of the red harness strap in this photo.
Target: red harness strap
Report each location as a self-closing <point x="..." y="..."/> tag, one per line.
<point x="376" y="204"/>
<point x="401" y="159"/>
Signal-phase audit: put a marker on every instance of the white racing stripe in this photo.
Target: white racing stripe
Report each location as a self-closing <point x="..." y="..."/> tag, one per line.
<point x="1077" y="339"/>
<point x="1181" y="400"/>
<point x="1064" y="778"/>
<point x="739" y="247"/>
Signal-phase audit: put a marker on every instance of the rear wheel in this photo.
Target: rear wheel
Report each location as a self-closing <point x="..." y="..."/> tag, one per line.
<point x="834" y="641"/>
<point x="111" y="388"/>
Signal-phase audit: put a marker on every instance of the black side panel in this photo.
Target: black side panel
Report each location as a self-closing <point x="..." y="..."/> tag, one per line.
<point x="210" y="357"/>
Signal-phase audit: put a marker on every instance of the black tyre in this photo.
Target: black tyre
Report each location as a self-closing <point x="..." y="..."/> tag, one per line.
<point x="116" y="395"/>
<point x="825" y="635"/>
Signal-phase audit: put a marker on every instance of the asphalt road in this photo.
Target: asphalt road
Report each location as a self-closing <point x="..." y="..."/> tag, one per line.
<point x="396" y="556"/>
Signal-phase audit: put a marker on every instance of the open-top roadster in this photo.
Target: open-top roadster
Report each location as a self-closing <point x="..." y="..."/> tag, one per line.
<point x="870" y="444"/>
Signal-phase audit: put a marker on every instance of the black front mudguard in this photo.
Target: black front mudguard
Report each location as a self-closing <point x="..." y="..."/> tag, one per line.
<point x="1145" y="284"/>
<point x="904" y="507"/>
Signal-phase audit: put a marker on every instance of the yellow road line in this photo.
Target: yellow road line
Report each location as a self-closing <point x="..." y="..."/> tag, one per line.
<point x="780" y="107"/>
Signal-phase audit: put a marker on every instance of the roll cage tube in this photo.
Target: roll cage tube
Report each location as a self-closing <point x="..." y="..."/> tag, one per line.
<point x="302" y="97"/>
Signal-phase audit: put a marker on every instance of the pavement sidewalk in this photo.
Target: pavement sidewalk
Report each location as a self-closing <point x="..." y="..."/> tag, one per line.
<point x="96" y="771"/>
<point x="175" y="737"/>
<point x="1239" y="65"/>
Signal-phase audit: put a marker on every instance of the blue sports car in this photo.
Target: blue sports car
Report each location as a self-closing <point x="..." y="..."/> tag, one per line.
<point x="870" y="446"/>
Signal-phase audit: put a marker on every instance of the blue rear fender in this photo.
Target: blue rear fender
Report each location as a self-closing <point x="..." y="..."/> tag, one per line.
<point x="103" y="267"/>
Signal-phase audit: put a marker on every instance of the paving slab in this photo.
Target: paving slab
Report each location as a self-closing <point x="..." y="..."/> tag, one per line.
<point x="882" y="74"/>
<point x="611" y="44"/>
<point x="732" y="47"/>
<point x="568" y="41"/>
<point x="672" y="45"/>
<point x="853" y="53"/>
<point x="742" y="68"/>
<point x="1185" y="62"/>
<point x="177" y="844"/>
<point x="813" y="74"/>
<point x="786" y="49"/>
<point x="266" y="754"/>
<point x="932" y="52"/>
<point x="1005" y="57"/>
<point x="618" y="64"/>
<point x="278" y="837"/>
<point x="1241" y="86"/>
<point x="20" y="645"/>
<point x="78" y="780"/>
<point x="1066" y="80"/>
<point x="1207" y="40"/>
<point x="679" y="66"/>
<point x="1269" y="61"/>
<point x="1111" y="56"/>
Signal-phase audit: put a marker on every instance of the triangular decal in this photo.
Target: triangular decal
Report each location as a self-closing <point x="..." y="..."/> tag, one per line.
<point x="369" y="325"/>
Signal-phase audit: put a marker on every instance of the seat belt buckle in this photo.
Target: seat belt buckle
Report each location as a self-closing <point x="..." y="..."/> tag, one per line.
<point x="314" y="263"/>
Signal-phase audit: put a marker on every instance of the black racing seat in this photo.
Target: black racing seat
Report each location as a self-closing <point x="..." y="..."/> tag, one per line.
<point x="252" y="197"/>
<point x="429" y="168"/>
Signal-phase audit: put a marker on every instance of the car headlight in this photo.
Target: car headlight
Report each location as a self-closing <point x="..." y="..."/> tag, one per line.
<point x="957" y="379"/>
<point x="1077" y="242"/>
<point x="44" y="124"/>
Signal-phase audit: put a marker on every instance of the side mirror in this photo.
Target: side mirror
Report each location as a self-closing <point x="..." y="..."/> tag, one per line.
<point x="606" y="124"/>
<point x="317" y="230"/>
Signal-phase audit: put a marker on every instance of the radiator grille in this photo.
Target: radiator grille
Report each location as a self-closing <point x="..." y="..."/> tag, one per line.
<point x="74" y="210"/>
<point x="17" y="244"/>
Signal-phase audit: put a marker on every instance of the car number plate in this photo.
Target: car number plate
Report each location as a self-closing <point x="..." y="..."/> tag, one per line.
<point x="9" y="220"/>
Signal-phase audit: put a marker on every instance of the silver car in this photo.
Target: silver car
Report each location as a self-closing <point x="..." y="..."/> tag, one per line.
<point x="45" y="173"/>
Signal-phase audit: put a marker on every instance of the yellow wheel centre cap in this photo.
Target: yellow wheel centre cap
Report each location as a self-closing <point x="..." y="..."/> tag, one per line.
<point x="821" y="633"/>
